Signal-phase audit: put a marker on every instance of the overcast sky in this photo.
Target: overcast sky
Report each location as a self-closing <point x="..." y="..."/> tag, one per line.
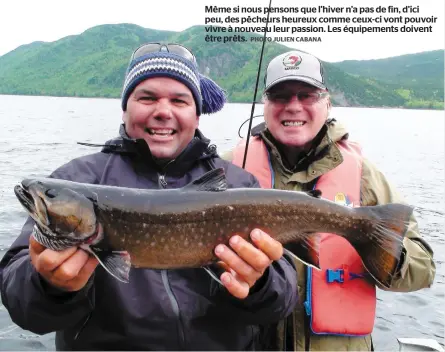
<point x="22" y="22"/>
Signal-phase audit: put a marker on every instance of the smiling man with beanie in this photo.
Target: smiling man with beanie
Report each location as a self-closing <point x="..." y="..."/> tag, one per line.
<point x="159" y="147"/>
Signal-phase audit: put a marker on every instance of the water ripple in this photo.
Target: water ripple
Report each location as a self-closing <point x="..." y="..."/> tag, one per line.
<point x="42" y="132"/>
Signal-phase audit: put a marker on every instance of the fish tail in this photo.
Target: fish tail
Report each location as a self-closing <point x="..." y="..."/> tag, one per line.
<point x="381" y="247"/>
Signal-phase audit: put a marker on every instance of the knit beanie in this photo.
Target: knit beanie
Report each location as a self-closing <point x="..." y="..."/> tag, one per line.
<point x="209" y="97"/>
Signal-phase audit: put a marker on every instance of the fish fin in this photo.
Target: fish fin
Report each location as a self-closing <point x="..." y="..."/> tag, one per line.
<point x="212" y="274"/>
<point x="116" y="263"/>
<point x="306" y="251"/>
<point x="381" y="249"/>
<point x="306" y="262"/>
<point x="316" y="193"/>
<point x="213" y="181"/>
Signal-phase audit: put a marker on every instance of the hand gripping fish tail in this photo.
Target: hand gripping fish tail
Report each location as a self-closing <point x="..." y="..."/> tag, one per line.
<point x="180" y="228"/>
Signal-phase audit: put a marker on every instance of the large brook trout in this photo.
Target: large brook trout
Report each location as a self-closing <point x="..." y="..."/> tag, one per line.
<point x="179" y="228"/>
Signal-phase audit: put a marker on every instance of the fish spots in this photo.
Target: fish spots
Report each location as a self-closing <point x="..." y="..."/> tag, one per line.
<point x="186" y="243"/>
<point x="144" y="225"/>
<point x="203" y="213"/>
<point x="153" y="244"/>
<point x="230" y="208"/>
<point x="162" y="239"/>
<point x="200" y="244"/>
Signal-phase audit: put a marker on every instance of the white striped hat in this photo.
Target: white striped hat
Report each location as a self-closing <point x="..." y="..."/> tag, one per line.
<point x="208" y="96"/>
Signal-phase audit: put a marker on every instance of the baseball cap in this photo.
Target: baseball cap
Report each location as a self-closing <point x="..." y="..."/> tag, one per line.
<point x="295" y="65"/>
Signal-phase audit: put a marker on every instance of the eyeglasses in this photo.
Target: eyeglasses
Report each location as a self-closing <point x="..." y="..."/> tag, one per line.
<point x="176" y="49"/>
<point x="306" y="98"/>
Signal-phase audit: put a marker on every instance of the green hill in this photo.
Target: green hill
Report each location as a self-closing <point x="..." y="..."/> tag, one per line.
<point x="93" y="64"/>
<point x="405" y="74"/>
<point x="90" y="64"/>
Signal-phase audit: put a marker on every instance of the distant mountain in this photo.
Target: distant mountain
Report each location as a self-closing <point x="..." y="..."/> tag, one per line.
<point x="93" y="64"/>
<point x="414" y="76"/>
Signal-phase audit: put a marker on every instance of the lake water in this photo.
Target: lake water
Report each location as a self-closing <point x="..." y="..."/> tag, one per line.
<point x="38" y="134"/>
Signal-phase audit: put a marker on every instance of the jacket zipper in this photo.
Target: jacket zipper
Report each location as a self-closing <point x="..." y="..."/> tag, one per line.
<point x="82" y="327"/>
<point x="175" y="307"/>
<point x="162" y="182"/>
<point x="164" y="274"/>
<point x="161" y="177"/>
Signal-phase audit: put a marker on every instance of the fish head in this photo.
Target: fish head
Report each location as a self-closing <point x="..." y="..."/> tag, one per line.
<point x="57" y="209"/>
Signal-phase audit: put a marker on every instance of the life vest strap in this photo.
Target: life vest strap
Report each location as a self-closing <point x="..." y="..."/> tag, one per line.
<point x="341" y="275"/>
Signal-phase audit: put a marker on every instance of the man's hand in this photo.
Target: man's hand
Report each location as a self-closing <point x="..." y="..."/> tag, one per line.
<point x="245" y="263"/>
<point x="68" y="270"/>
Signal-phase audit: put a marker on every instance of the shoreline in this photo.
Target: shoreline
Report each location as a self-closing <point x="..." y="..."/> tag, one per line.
<point x="228" y="102"/>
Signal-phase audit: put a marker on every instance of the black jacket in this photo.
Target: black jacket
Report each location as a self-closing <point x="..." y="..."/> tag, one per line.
<point x="158" y="309"/>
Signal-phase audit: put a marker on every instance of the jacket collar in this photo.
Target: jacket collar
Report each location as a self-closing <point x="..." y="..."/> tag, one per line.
<point x="322" y="157"/>
<point x="199" y="148"/>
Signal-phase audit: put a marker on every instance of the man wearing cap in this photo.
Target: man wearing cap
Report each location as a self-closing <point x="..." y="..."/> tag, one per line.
<point x="159" y="147"/>
<point x="299" y="148"/>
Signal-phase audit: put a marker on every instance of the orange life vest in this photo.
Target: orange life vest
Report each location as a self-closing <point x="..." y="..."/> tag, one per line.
<point x="340" y="301"/>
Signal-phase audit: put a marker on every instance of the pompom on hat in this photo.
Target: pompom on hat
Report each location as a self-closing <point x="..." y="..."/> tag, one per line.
<point x="177" y="62"/>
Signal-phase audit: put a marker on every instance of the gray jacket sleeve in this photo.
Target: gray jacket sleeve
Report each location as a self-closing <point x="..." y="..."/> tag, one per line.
<point x="33" y="304"/>
<point x="271" y="299"/>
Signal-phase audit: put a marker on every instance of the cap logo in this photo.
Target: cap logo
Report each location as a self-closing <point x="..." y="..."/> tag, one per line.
<point x="291" y="61"/>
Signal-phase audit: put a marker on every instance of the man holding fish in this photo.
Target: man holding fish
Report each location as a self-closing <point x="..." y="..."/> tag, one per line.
<point x="50" y="277"/>
<point x="299" y="148"/>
